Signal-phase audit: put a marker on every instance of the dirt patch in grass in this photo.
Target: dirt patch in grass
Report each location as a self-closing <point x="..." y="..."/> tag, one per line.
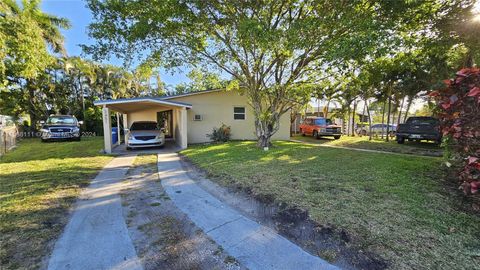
<point x="329" y="243"/>
<point x="163" y="236"/>
<point x="410" y="147"/>
<point x="39" y="182"/>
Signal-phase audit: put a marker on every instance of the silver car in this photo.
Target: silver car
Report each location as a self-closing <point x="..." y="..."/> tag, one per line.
<point x="145" y="134"/>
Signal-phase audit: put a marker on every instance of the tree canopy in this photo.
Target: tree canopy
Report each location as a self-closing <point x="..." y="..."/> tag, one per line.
<point x="270" y="48"/>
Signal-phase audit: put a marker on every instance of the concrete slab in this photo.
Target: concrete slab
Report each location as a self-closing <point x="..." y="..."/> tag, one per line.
<point x="253" y="245"/>
<point x="170" y="146"/>
<point x="96" y="236"/>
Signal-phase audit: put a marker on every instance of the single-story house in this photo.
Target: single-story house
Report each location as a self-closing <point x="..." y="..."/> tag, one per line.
<point x="188" y="118"/>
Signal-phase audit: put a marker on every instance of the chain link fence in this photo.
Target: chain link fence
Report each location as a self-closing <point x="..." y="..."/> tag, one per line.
<point x="8" y="138"/>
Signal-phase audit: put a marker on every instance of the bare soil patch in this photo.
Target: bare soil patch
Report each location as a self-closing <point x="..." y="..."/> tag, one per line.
<point x="163" y="236"/>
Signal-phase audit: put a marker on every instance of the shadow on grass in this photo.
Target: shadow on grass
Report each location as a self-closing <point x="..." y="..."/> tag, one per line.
<point x="409" y="147"/>
<point x="34" y="149"/>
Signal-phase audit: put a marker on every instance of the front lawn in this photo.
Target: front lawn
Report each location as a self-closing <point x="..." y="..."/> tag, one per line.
<point x="38" y="184"/>
<point x="416" y="148"/>
<point x="395" y="206"/>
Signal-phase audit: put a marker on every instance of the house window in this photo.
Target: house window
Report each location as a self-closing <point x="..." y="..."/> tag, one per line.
<point x="239" y="113"/>
<point x="197" y="117"/>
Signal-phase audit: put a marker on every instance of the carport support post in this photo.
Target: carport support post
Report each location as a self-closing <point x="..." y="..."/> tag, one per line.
<point x="125" y="127"/>
<point x="119" y="137"/>
<point x="183" y="128"/>
<point x="107" y="130"/>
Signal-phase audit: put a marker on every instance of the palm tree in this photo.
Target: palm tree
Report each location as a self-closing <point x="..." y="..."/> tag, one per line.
<point x="30" y="32"/>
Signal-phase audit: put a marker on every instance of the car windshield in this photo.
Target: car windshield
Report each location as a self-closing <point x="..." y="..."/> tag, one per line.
<point x="144" y="126"/>
<point x="423" y="121"/>
<point x="322" y="122"/>
<point x="61" y="120"/>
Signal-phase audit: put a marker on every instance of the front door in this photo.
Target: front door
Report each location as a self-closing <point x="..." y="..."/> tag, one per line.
<point x="165" y="120"/>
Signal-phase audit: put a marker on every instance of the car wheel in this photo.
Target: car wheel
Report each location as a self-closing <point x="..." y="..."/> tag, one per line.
<point x="315" y="134"/>
<point x="400" y="140"/>
<point x="301" y="132"/>
<point x="129" y="148"/>
<point x="336" y="137"/>
<point x="44" y="141"/>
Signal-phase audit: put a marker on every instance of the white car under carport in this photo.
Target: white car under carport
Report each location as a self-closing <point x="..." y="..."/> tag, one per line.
<point x="145" y="134"/>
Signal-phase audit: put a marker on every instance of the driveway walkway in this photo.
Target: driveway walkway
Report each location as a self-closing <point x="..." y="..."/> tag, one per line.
<point x="366" y="150"/>
<point x="96" y="236"/>
<point x="253" y="245"/>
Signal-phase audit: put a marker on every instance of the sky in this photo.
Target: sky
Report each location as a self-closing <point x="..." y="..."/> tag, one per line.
<point x="80" y="16"/>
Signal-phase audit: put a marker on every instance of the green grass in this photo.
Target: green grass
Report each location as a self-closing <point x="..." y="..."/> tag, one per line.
<point x="38" y="184"/>
<point x="416" y="148"/>
<point x="392" y="205"/>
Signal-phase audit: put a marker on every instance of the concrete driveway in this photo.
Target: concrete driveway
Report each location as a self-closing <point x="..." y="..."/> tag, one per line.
<point x="253" y="245"/>
<point x="97" y="236"/>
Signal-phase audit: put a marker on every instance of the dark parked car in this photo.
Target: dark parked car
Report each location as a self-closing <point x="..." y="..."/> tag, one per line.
<point x="65" y="127"/>
<point x="419" y="128"/>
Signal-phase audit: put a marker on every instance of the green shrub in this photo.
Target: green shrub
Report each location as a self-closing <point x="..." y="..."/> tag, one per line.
<point x="220" y="134"/>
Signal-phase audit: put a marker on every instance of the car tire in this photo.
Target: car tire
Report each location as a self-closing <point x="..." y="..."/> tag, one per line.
<point x="400" y="140"/>
<point x="336" y="137"/>
<point x="301" y="132"/>
<point x="44" y="141"/>
<point x="315" y="134"/>
<point x="129" y="148"/>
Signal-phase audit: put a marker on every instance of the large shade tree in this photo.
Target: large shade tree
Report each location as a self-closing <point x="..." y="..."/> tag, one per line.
<point x="268" y="47"/>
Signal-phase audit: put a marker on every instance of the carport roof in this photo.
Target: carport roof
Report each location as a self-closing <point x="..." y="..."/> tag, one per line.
<point x="157" y="100"/>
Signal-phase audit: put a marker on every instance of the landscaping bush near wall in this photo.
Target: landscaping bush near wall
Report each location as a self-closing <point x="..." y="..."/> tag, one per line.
<point x="459" y="112"/>
<point x="220" y="134"/>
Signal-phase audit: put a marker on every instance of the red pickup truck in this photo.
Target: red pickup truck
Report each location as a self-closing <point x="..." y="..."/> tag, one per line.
<point x="320" y="127"/>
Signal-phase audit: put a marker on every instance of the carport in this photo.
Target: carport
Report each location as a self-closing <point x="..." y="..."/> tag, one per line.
<point x="170" y="113"/>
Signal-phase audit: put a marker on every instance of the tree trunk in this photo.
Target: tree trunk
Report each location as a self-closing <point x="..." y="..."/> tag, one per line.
<point x="383" y="117"/>
<point x="400" y="111"/>
<point x="31" y="106"/>
<point x="369" y="121"/>
<point x="266" y="126"/>
<point x="353" y="117"/>
<point x="264" y="133"/>
<point x="326" y="110"/>
<point x="293" y="118"/>
<point x="409" y="104"/>
<point x="318" y="107"/>
<point x="388" y="118"/>
<point x="348" y="119"/>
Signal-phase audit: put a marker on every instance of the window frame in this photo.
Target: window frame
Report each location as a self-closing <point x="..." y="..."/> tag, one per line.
<point x="237" y="113"/>
<point x="195" y="119"/>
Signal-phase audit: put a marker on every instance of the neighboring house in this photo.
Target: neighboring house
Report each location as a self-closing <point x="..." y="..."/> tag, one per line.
<point x="188" y="118"/>
<point x="6" y="121"/>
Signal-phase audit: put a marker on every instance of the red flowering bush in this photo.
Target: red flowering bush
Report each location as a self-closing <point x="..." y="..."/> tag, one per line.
<point x="459" y="113"/>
